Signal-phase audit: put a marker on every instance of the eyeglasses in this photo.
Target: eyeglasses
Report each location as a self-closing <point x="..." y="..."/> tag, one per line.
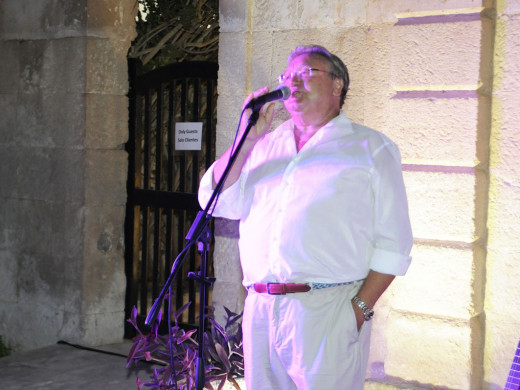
<point x="304" y="73"/>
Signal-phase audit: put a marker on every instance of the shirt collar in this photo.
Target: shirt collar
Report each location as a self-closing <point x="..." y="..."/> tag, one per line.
<point x="336" y="127"/>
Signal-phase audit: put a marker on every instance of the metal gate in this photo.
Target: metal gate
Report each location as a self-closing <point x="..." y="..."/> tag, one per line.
<point x="163" y="182"/>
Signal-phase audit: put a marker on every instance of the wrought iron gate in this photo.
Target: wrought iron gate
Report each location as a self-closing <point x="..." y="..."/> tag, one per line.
<point x="163" y="181"/>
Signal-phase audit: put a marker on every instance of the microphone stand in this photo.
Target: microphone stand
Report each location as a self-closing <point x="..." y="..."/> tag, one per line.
<point x="200" y="231"/>
<point x="205" y="282"/>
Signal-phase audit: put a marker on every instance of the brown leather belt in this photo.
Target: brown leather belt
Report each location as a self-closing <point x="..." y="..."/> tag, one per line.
<point x="280" y="288"/>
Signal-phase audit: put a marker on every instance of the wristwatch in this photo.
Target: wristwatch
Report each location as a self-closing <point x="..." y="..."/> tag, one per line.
<point x="368" y="313"/>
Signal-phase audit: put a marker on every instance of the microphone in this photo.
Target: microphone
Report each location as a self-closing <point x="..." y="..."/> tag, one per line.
<point x="282" y="92"/>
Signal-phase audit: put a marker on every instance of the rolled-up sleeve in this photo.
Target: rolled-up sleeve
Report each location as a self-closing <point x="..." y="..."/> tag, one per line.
<point x="393" y="238"/>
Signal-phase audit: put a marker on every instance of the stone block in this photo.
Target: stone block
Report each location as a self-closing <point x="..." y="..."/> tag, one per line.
<point x="433" y="131"/>
<point x="25" y="317"/>
<point x="9" y="66"/>
<point x="227" y="123"/>
<point x="231" y="94"/>
<point x="378" y="337"/>
<point x="27" y="226"/>
<point x="271" y="15"/>
<point x="502" y="293"/>
<point x="262" y="71"/>
<point x="49" y="120"/>
<point x="375" y="67"/>
<point x="510" y="7"/>
<point x="8" y="123"/>
<point x="505" y="138"/>
<point x="105" y="59"/>
<point x="105" y="226"/>
<point x="104" y="279"/>
<point x="330" y="14"/>
<point x="452" y="56"/>
<point x="504" y="215"/>
<point x="350" y="44"/>
<point x="24" y="20"/>
<point x="41" y="299"/>
<point x="385" y="11"/>
<point x="67" y="228"/>
<point x="354" y="109"/>
<point x="113" y="19"/>
<point x="347" y="43"/>
<point x="64" y="65"/>
<point x="232" y="65"/>
<point x="429" y="351"/>
<point x="102" y="328"/>
<point x="37" y="281"/>
<point x="105" y="177"/>
<point x="49" y="65"/>
<point x="31" y="65"/>
<point x="3" y="227"/>
<point x="442" y="205"/>
<point x="227" y="269"/>
<point x="109" y="130"/>
<point x="439" y="283"/>
<point x="45" y="174"/>
<point x="8" y="276"/>
<point x="228" y="290"/>
<point x="233" y="16"/>
<point x="66" y="168"/>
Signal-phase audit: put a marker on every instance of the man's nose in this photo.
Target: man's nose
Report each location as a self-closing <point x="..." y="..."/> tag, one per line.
<point x="294" y="76"/>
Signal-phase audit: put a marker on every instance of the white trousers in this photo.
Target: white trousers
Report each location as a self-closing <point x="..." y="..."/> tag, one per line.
<point x="304" y="341"/>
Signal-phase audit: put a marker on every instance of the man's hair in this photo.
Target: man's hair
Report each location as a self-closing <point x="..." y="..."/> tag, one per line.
<point x="338" y="68"/>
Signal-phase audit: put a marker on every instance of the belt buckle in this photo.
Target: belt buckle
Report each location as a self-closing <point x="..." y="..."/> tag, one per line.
<point x="268" y="288"/>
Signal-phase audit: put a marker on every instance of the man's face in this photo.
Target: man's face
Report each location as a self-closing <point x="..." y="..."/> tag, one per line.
<point x="315" y="94"/>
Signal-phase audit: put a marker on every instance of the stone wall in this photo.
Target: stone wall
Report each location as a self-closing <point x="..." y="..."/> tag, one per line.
<point x="63" y="168"/>
<point x="503" y="219"/>
<point x="440" y="78"/>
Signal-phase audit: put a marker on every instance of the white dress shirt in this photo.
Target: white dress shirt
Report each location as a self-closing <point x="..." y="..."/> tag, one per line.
<point x="326" y="214"/>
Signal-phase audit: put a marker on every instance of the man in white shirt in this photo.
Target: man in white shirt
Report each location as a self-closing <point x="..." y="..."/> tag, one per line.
<point x="324" y="229"/>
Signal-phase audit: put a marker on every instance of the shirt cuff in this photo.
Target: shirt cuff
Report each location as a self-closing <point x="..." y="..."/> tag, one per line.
<point x="387" y="262"/>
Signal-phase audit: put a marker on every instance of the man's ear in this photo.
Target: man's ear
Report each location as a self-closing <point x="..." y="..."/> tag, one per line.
<point x="337" y="87"/>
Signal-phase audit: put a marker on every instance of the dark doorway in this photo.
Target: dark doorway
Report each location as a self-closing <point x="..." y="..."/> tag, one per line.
<point x="163" y="180"/>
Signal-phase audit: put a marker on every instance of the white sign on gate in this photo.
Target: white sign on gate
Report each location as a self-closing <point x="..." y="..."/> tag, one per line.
<point x="188" y="136"/>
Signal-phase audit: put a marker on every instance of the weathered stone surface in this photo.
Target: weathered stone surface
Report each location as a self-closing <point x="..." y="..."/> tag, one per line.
<point x="422" y="73"/>
<point x="442" y="205"/>
<point x="63" y="125"/>
<point x="451" y="280"/>
<point x="233" y="16"/>
<point x="420" y="348"/>
<point x="109" y="130"/>
<point x="63" y="169"/>
<point x="451" y="57"/>
<point x="34" y="19"/>
<point x="227" y="290"/>
<point x="105" y="176"/>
